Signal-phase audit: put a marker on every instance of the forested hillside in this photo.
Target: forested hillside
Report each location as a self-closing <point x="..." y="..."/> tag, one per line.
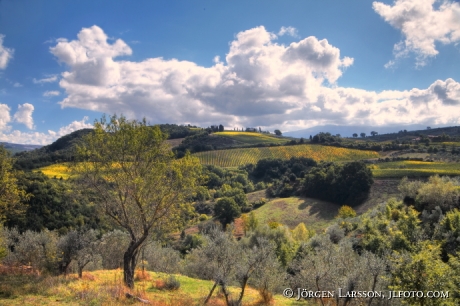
<point x="248" y="232"/>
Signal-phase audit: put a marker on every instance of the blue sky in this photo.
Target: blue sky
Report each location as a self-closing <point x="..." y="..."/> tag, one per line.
<point x="283" y="65"/>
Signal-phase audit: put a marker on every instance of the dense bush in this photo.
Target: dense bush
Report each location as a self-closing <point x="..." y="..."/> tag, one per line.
<point x="54" y="205"/>
<point x="348" y="183"/>
<point x="271" y="169"/>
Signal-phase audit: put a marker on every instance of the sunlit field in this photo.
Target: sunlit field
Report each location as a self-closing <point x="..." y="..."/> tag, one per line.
<point x="252" y="138"/>
<point x="55" y="171"/>
<point x="414" y="168"/>
<point x="238" y="157"/>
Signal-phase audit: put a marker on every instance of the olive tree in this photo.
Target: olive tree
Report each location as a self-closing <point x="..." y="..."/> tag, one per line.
<point x="140" y="184"/>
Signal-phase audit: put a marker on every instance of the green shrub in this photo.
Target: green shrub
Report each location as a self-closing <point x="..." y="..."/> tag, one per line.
<point x="172" y="283"/>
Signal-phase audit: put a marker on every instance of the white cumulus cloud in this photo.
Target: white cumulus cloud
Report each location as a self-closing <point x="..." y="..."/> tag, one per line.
<point x="48" y="79"/>
<point x="24" y="115"/>
<point x="423" y="24"/>
<point x="40" y="138"/>
<point x="5" y="117"/>
<point x="5" y="54"/>
<point x="291" y="31"/>
<point x="258" y="83"/>
<point x="51" y="93"/>
<point x="258" y="78"/>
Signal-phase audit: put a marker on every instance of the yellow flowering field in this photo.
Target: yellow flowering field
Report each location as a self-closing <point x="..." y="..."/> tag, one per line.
<point x="414" y="168"/>
<point x="237" y="157"/>
<point x="56" y="170"/>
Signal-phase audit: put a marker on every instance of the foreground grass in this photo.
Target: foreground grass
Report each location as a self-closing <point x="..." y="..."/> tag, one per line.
<point x="105" y="287"/>
<point x="414" y="169"/>
<point x="238" y="157"/>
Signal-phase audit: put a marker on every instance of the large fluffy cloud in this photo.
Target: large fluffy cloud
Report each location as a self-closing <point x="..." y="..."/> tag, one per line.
<point x="260" y="83"/>
<point x="24" y="115"/>
<point x="259" y="78"/>
<point x="423" y="24"/>
<point x="5" y="53"/>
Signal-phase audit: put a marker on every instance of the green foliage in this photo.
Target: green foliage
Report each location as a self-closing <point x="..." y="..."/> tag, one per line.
<point x="448" y="232"/>
<point x="36" y="249"/>
<point x="285" y="246"/>
<point x="226" y="210"/>
<point x="348" y="183"/>
<point x="172" y="283"/>
<point x="55" y="205"/>
<point x="3" y="244"/>
<point x="175" y="131"/>
<point x="140" y="185"/>
<point x="270" y="169"/>
<point x="346" y="211"/>
<point x="301" y="233"/>
<point x="442" y="192"/>
<point x="422" y="271"/>
<point x="11" y="196"/>
<point x="394" y="226"/>
<point x="250" y="222"/>
<point x="325" y="138"/>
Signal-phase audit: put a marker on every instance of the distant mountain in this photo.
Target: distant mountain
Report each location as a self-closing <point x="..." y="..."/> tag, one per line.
<point x="15" y="147"/>
<point x="348" y="131"/>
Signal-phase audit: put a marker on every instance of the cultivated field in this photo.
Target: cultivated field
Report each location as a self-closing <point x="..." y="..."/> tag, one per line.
<point x="252" y="138"/>
<point x="414" y="169"/>
<point x="237" y="157"/>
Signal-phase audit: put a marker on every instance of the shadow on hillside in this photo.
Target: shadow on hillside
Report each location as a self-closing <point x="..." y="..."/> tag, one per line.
<point x="322" y="209"/>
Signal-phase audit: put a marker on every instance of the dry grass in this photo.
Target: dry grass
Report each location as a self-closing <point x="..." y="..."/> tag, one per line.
<point x="106" y="288"/>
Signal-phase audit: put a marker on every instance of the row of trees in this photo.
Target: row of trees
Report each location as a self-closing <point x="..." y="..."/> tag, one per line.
<point x="363" y="135"/>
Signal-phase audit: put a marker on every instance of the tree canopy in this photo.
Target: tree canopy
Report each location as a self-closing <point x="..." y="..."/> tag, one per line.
<point x="141" y="186"/>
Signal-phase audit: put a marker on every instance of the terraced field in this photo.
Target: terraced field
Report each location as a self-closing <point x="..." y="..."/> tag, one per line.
<point x="238" y="157"/>
<point x="252" y="138"/>
<point x="414" y="169"/>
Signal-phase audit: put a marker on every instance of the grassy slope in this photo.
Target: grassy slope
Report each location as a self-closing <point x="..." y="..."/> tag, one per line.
<point x="237" y="157"/>
<point x="105" y="287"/>
<point x="317" y="214"/>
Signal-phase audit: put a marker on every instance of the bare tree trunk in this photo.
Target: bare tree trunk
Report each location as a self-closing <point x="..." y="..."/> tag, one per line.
<point x="243" y="286"/>
<point x="373" y="289"/>
<point x="210" y="293"/>
<point x="63" y="267"/>
<point x="317" y="287"/>
<point x="226" y="293"/>
<point x="81" y="267"/>
<point x="130" y="259"/>
<point x="129" y="264"/>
